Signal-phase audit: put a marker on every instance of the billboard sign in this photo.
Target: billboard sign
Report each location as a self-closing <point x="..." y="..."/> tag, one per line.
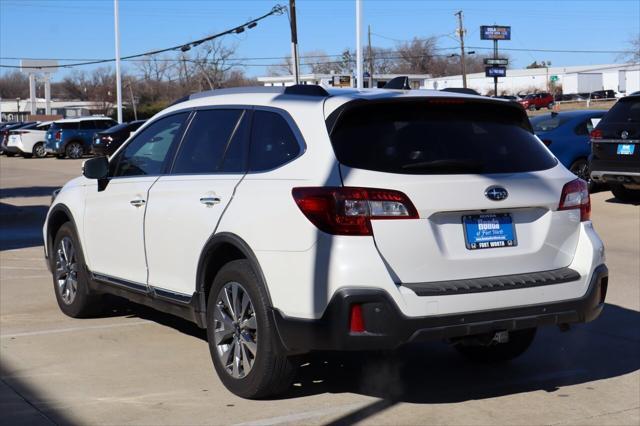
<point x="495" y="32"/>
<point x="38" y="65"/>
<point x="495" y="71"/>
<point x="496" y="61"/>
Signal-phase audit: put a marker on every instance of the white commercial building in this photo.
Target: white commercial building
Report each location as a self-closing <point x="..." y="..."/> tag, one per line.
<point x="622" y="78"/>
<point x="20" y="109"/>
<point x="340" y="80"/>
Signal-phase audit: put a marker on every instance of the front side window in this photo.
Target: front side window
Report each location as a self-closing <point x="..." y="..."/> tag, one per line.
<point x="207" y="141"/>
<point x="147" y="152"/>
<point x="272" y="142"/>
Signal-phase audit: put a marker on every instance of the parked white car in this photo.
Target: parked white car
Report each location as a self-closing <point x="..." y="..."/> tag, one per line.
<point x="288" y="220"/>
<point x="30" y="142"/>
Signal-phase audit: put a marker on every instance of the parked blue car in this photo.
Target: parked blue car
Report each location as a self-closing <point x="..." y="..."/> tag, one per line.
<point x="72" y="137"/>
<point x="567" y="136"/>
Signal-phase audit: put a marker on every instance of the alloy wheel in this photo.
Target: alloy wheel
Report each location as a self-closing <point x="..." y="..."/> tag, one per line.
<point x="66" y="273"/>
<point x="39" y="151"/>
<point x="75" y="151"/>
<point x="236" y="330"/>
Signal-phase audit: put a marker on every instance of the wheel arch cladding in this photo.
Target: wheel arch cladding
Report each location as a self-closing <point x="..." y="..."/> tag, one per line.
<point x="221" y="249"/>
<point x="58" y="217"/>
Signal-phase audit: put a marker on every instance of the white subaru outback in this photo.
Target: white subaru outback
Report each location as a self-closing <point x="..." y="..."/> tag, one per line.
<point x="289" y="220"/>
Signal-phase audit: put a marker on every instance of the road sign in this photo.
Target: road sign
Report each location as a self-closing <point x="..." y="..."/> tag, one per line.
<point x="496" y="61"/>
<point x="495" y="71"/>
<point x="554" y="78"/>
<point x="495" y="32"/>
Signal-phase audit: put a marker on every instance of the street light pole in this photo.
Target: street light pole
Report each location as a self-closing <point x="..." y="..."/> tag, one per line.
<point x="359" y="43"/>
<point x="118" y="76"/>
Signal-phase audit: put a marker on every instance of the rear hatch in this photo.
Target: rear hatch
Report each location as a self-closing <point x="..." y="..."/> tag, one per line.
<point x="616" y="139"/>
<point x="456" y="159"/>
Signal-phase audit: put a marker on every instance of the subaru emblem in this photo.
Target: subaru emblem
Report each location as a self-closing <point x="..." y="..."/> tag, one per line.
<point x="624" y="134"/>
<point x="496" y="193"/>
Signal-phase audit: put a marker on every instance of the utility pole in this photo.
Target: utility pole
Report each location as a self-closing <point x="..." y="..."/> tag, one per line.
<point x="370" y="60"/>
<point x="359" y="43"/>
<point x="118" y="76"/>
<point x="294" y="41"/>
<point x="462" y="62"/>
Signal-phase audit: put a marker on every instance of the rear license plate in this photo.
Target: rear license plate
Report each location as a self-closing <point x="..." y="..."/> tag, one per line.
<point x="626" y="148"/>
<point x="489" y="231"/>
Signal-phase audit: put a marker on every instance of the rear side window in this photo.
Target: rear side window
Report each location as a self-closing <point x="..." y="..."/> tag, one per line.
<point x="65" y="126"/>
<point x="87" y="125"/>
<point x="207" y="141"/>
<point x="625" y="111"/>
<point x="438" y="137"/>
<point x="272" y="142"/>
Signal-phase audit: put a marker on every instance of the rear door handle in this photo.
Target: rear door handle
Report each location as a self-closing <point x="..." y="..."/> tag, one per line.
<point x="209" y="201"/>
<point x="137" y="203"/>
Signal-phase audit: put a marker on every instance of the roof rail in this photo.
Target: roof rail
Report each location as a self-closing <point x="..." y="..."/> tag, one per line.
<point x="306" y="90"/>
<point x="180" y="100"/>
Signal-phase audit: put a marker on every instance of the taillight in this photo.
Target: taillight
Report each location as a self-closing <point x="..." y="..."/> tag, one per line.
<point x="596" y="134"/>
<point x="58" y="135"/>
<point x="547" y="142"/>
<point x="349" y="210"/>
<point x="356" y="321"/>
<point x="575" y="195"/>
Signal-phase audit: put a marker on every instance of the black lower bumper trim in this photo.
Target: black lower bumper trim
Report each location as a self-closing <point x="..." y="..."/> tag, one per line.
<point x="498" y="283"/>
<point x="387" y="328"/>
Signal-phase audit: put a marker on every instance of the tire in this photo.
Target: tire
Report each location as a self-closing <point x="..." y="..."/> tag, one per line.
<point x="580" y="168"/>
<point x="519" y="342"/>
<point x="550" y="106"/>
<point x="263" y="369"/>
<point x="74" y="150"/>
<point x="626" y="195"/>
<point x="70" y="279"/>
<point x="38" y="150"/>
<point x="532" y="108"/>
<point x="10" y="154"/>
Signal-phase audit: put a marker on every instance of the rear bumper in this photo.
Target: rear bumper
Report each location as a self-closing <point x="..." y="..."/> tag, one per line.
<point x="387" y="328"/>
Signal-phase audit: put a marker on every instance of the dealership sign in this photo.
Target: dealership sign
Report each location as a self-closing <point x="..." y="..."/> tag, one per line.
<point x="495" y="71"/>
<point x="495" y="32"/>
<point x="496" y="61"/>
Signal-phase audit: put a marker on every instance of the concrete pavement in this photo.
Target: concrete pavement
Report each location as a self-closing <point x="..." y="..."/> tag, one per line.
<point x="138" y="366"/>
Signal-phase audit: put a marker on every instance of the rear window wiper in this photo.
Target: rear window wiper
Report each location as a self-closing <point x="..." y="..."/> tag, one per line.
<point x="457" y="165"/>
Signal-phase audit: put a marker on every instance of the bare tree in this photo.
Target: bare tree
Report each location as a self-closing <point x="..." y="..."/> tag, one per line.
<point x="285" y="67"/>
<point x="14" y="84"/>
<point x="633" y="56"/>
<point x="416" y="56"/>
<point x="212" y="62"/>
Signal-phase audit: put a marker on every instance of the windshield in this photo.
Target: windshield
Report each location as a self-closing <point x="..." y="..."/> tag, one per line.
<point x="437" y="137"/>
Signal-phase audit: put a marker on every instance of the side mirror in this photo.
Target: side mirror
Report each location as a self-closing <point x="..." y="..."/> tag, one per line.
<point x="95" y="168"/>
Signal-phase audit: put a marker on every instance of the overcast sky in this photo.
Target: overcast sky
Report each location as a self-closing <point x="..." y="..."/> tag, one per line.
<point x="83" y="29"/>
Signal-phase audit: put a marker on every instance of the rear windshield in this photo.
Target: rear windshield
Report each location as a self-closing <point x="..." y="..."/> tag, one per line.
<point x="64" y="126"/>
<point x="625" y="111"/>
<point x="546" y="123"/>
<point x="437" y="137"/>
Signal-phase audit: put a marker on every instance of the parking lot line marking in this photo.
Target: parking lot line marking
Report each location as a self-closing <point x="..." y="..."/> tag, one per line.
<point x="72" y="329"/>
<point x="25" y="268"/>
<point x="297" y="417"/>
<point x="25" y="277"/>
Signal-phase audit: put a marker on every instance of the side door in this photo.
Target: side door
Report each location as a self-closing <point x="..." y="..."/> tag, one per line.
<point x="186" y="205"/>
<point x="114" y="214"/>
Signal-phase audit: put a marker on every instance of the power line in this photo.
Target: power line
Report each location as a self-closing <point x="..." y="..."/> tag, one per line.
<point x="276" y="10"/>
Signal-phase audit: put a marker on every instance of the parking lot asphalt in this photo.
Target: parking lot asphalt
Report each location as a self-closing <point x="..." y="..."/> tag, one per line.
<point x="136" y="366"/>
